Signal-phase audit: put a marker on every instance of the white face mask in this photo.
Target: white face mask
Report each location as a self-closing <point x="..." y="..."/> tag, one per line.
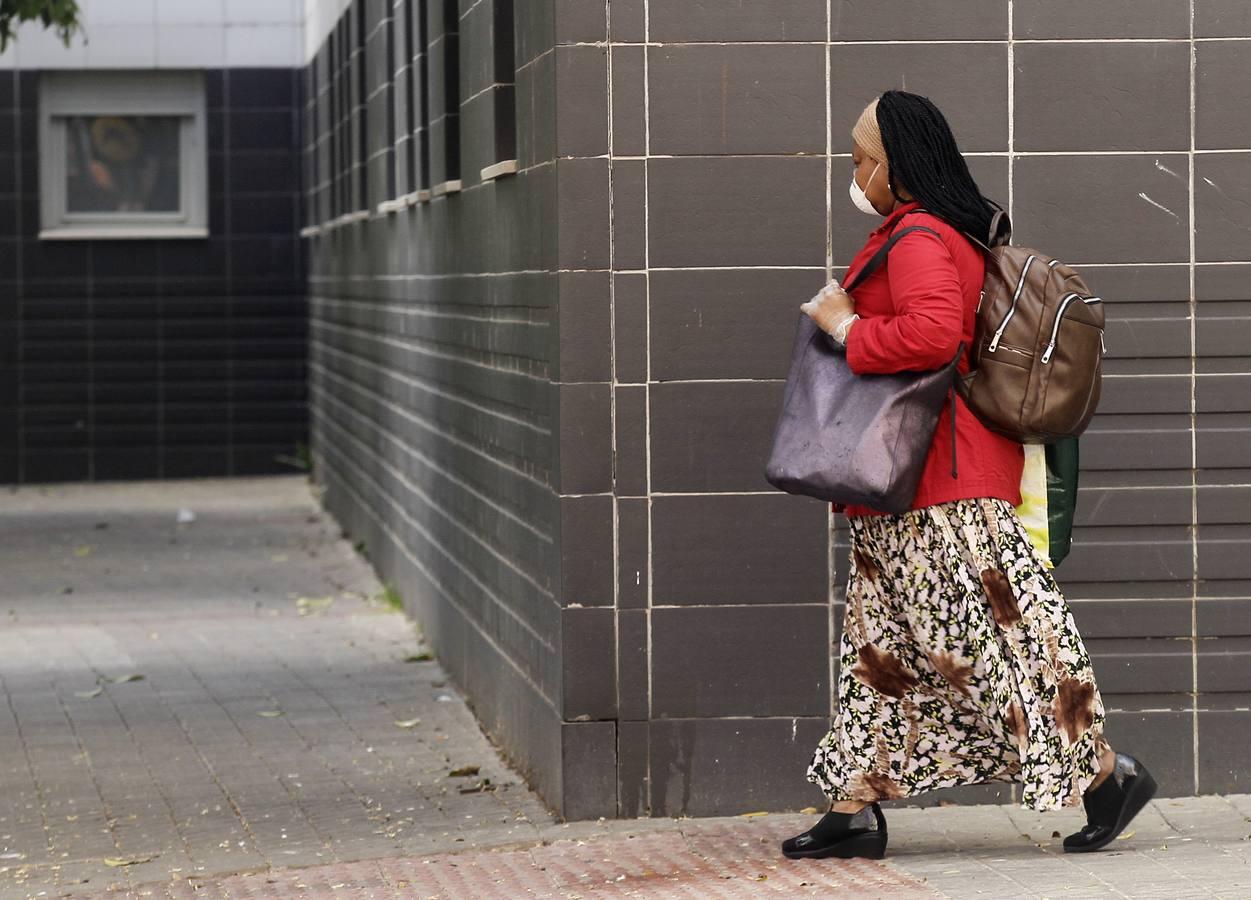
<point x="858" y="195"/>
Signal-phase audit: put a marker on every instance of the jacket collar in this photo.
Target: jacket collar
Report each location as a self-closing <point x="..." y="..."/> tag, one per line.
<point x="901" y="210"/>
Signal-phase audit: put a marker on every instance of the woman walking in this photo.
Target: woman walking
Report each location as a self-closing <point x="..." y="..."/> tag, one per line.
<point x="960" y="662"/>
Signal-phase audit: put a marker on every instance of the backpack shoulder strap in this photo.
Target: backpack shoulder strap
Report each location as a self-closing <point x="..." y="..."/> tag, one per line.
<point x="880" y="256"/>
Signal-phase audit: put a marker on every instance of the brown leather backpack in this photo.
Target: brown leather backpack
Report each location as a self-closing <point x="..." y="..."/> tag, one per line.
<point x="1037" y="356"/>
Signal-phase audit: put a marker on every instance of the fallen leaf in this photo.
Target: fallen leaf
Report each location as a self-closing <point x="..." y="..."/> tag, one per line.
<point x="808" y="810"/>
<point x="748" y="815"/>
<point x="419" y="657"/>
<point x="407" y="723"/>
<point x="122" y="679"/>
<point x="87" y="695"/>
<point x="307" y="605"/>
<point x="270" y="713"/>
<point x="463" y="771"/>
<point x="1126" y="836"/>
<point x="84" y="550"/>
<point x="115" y="861"/>
<point x="1055" y="834"/>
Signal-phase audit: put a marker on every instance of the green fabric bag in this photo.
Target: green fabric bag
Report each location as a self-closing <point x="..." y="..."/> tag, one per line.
<point x="1062" y="465"/>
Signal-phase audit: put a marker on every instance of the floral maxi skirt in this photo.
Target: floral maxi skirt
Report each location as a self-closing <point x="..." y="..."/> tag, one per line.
<point x="960" y="663"/>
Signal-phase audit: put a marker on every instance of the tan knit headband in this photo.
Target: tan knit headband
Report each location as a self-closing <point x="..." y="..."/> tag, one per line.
<point x="868" y="136"/>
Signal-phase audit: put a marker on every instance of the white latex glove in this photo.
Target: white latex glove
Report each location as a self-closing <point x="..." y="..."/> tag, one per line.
<point x="830" y="307"/>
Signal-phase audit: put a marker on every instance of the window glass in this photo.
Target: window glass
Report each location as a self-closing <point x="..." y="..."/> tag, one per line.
<point x="122" y="164"/>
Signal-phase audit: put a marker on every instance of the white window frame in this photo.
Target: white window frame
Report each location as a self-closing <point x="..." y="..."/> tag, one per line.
<point x="163" y="93"/>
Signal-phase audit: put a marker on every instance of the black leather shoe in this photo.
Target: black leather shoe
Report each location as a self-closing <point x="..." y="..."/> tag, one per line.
<point x="1112" y="805"/>
<point x="843" y="835"/>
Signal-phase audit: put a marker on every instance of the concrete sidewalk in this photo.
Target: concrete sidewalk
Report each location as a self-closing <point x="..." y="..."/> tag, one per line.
<point x="221" y="708"/>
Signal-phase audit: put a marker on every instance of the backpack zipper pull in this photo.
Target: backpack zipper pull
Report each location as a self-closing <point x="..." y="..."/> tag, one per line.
<point x="1051" y="346"/>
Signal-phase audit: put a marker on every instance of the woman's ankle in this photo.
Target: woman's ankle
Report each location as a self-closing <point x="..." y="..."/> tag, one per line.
<point x="849" y="807"/>
<point x="1107" y="762"/>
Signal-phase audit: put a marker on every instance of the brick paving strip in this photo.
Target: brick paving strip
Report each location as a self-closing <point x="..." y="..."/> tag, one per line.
<point x="280" y="743"/>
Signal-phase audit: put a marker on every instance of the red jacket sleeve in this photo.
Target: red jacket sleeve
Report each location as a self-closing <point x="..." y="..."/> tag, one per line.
<point x="925" y="330"/>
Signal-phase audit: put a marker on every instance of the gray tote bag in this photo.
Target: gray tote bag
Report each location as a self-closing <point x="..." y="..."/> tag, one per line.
<point x="855" y="439"/>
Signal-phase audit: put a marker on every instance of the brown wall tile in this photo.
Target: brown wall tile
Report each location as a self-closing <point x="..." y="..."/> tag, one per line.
<point x="711" y="99"/>
<point x="749" y="211"/>
<point x="1134" y="96"/>
<point x="712" y="436"/>
<point x="740" y="661"/>
<point x="725" y="767"/>
<point x="714" y="550"/>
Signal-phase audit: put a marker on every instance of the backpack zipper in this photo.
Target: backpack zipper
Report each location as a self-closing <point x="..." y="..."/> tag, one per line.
<point x="1055" y="327"/>
<point x="1020" y="286"/>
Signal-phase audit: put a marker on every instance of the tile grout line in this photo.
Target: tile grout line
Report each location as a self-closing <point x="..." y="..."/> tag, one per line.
<point x="612" y="398"/>
<point x="1194" y="442"/>
<point x="647" y="390"/>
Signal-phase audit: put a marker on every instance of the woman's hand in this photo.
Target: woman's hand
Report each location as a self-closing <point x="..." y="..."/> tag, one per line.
<point x="830" y="307"/>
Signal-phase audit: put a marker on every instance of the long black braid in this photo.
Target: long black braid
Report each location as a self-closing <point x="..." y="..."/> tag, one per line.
<point x="925" y="160"/>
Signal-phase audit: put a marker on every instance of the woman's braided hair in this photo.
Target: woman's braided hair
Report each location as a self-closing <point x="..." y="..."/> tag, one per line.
<point x="925" y="160"/>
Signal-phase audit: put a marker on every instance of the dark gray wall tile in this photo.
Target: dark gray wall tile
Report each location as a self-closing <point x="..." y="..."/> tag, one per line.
<point x="676" y="21"/>
<point x="582" y="105"/>
<point x="749" y="211"/>
<point x="586" y="551"/>
<point x="630" y="326"/>
<point x="585" y="327"/>
<point x="1221" y="282"/>
<point x="1164" y="741"/>
<point x="1222" y="18"/>
<point x="712" y="436"/>
<point x="726" y="324"/>
<point x="1135" y="555"/>
<point x="736" y="98"/>
<point x="1043" y="19"/>
<point x="740" y="661"/>
<point x="634" y="567"/>
<point x="722" y="767"/>
<point x="1137" y="666"/>
<point x="588" y="755"/>
<point x="584" y="235"/>
<point x="968" y="82"/>
<point x="713" y="550"/>
<point x="1117" y="197"/>
<point x="1140" y="284"/>
<point x="632" y="665"/>
<point x="1142" y="618"/>
<point x="629" y="214"/>
<point x="588" y="660"/>
<point x="627" y="20"/>
<point x="919" y="20"/>
<point x="1222" y="664"/>
<point x="1227" y="504"/>
<point x="1133" y="96"/>
<point x="633" y="796"/>
<point x="1224" y="753"/>
<point x="1223" y="618"/>
<point x="629" y="113"/>
<point x="585" y="438"/>
<point x="580" y="21"/>
<point x="1222" y="210"/>
<point x="1221" y="442"/>
<point x="630" y="462"/>
<point x="1222" y="120"/>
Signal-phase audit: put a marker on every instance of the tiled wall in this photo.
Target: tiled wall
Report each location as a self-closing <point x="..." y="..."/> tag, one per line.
<point x="437" y="407"/>
<point x="668" y="610"/>
<point x="1112" y="152"/>
<point x="158" y="358"/>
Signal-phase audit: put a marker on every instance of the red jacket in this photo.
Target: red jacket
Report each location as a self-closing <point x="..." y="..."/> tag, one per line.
<point x="914" y="311"/>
